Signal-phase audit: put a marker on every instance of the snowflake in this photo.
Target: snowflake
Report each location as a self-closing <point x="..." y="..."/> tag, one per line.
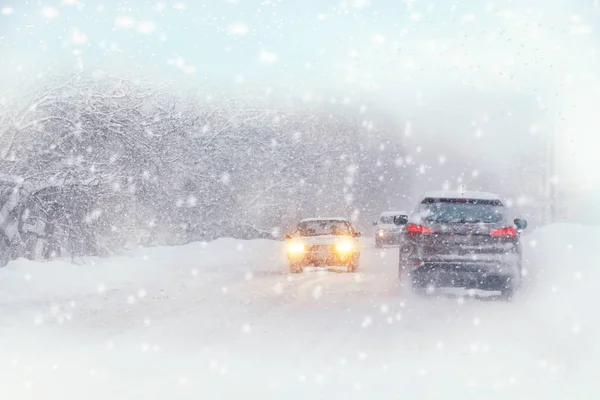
<point x="124" y="22"/>
<point x="238" y="29"/>
<point x="50" y="12"/>
<point x="317" y="292"/>
<point x="267" y="57"/>
<point x="360" y="3"/>
<point x="192" y="201"/>
<point x="7" y="10"/>
<point x="225" y="178"/>
<point x="145" y="27"/>
<point x="366" y="322"/>
<point x="378" y="39"/>
<point x="159" y="7"/>
<point x="468" y="18"/>
<point x="77" y="37"/>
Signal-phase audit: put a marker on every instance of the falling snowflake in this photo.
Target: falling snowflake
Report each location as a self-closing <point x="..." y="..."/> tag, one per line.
<point x="360" y="3"/>
<point x="317" y="292"/>
<point x="278" y="288"/>
<point x="238" y="29"/>
<point x="267" y="57"/>
<point x="367" y="322"/>
<point x="77" y="37"/>
<point x="378" y="39"/>
<point x="50" y="12"/>
<point x="145" y="27"/>
<point x="7" y="10"/>
<point x="124" y="22"/>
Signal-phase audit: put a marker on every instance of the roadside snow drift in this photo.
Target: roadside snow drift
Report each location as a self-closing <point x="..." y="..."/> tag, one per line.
<point x="225" y="320"/>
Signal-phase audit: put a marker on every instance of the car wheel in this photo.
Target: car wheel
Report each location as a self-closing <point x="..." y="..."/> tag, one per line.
<point x="507" y="292"/>
<point x="296" y="268"/>
<point x="417" y="285"/>
<point x="352" y="267"/>
<point x="378" y="244"/>
<point x="419" y="289"/>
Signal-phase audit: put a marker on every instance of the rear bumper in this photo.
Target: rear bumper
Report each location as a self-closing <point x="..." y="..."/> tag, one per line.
<point x="472" y="275"/>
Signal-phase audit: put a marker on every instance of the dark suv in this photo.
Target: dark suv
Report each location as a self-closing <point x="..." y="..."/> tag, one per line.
<point x="462" y="239"/>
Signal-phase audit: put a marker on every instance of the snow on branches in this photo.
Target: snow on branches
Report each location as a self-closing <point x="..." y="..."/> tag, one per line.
<point x="94" y="164"/>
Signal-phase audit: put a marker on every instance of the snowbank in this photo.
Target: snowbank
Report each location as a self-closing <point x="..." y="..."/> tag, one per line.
<point x="24" y="280"/>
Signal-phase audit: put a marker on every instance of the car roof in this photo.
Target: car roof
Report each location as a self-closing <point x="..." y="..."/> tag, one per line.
<point x="391" y="213"/>
<point x="472" y="195"/>
<point x="324" y="219"/>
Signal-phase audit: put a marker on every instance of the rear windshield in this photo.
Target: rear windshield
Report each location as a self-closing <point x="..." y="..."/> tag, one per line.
<point x="461" y="211"/>
<point x="387" y="219"/>
<point x="318" y="228"/>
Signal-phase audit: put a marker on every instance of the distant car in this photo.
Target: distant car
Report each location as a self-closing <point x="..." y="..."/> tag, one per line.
<point x="323" y="242"/>
<point x="387" y="231"/>
<point x="463" y="239"/>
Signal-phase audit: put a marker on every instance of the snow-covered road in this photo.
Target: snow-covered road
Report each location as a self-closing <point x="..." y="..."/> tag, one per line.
<point x="224" y="320"/>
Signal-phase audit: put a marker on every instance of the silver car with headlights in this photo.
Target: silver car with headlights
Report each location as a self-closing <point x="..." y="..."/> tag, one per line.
<point x="387" y="232"/>
<point x="323" y="242"/>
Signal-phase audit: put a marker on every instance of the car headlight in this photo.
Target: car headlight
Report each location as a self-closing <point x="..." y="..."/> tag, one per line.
<point x="344" y="247"/>
<point x="296" y="248"/>
<point x="381" y="233"/>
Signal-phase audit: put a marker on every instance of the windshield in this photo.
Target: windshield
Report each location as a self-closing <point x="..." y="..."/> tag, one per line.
<point x="319" y="228"/>
<point x="457" y="212"/>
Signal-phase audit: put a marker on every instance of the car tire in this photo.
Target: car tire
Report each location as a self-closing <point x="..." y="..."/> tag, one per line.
<point x="418" y="285"/>
<point x="352" y="267"/>
<point x="296" y="268"/>
<point x="378" y="244"/>
<point x="508" y="290"/>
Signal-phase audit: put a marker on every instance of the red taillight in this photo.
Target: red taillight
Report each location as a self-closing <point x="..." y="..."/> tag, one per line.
<point x="504" y="232"/>
<point x="417" y="229"/>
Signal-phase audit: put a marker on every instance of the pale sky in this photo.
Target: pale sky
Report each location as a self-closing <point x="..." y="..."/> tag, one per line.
<point x="475" y="74"/>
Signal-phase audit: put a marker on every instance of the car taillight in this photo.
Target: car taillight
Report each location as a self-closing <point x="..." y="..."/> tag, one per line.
<point x="417" y="229"/>
<point x="504" y="232"/>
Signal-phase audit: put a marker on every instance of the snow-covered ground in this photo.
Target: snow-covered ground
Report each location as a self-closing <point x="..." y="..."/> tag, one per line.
<point x="224" y="320"/>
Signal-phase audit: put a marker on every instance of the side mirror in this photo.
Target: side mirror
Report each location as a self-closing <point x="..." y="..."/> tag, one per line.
<point x="400" y="219"/>
<point x="374" y="223"/>
<point x="357" y="234"/>
<point x="520" y="223"/>
<point x="287" y="236"/>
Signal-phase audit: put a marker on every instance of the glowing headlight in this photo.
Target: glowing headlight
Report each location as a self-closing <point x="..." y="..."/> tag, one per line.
<point x="296" y="247"/>
<point x="344" y="247"/>
<point x="381" y="233"/>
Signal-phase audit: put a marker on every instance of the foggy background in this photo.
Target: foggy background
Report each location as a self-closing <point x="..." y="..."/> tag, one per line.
<point x="262" y="112"/>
